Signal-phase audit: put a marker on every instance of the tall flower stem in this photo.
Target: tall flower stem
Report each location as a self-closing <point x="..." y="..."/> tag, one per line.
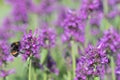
<point x="73" y="46"/>
<point x="35" y="75"/>
<point x="69" y="75"/>
<point x="112" y="64"/>
<point x="30" y="69"/>
<point x="45" y="76"/>
<point x="43" y="59"/>
<point x="87" y="32"/>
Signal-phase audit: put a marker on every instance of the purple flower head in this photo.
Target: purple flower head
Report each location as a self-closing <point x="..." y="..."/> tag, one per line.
<point x="92" y="63"/>
<point x="47" y="37"/>
<point x="4" y="53"/>
<point x="90" y="6"/>
<point x="61" y="16"/>
<point x="96" y="19"/>
<point x="30" y="45"/>
<point x="6" y="29"/>
<point x="21" y="9"/>
<point x="28" y="4"/>
<point x="73" y="27"/>
<point x="97" y="58"/>
<point x="20" y="13"/>
<point x="82" y="69"/>
<point x="113" y="2"/>
<point x="111" y="40"/>
<point x="95" y="23"/>
<point x="46" y="7"/>
<point x="4" y="58"/>
<point x="113" y="13"/>
<point x="4" y="73"/>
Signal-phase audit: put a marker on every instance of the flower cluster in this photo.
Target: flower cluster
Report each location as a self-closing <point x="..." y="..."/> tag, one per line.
<point x="30" y="45"/>
<point x="91" y="6"/>
<point x="4" y="73"/>
<point x="92" y="63"/>
<point x="4" y="59"/>
<point x="113" y="9"/>
<point x="45" y="7"/>
<point x="61" y="16"/>
<point x="20" y="10"/>
<point x="111" y="40"/>
<point x="112" y="3"/>
<point x="95" y="23"/>
<point x="47" y="37"/>
<point x="4" y="53"/>
<point x="74" y="27"/>
<point x="6" y="30"/>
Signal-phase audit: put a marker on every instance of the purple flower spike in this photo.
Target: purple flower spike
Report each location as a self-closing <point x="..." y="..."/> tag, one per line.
<point x="21" y="9"/>
<point x="4" y="53"/>
<point x="6" y="28"/>
<point x="73" y="27"/>
<point x="111" y="40"/>
<point x="92" y="5"/>
<point x="4" y="73"/>
<point x="61" y="16"/>
<point x="20" y="13"/>
<point x="30" y="45"/>
<point x="92" y="63"/>
<point x="89" y="7"/>
<point x="5" y="57"/>
<point x="47" y="37"/>
<point x="46" y="7"/>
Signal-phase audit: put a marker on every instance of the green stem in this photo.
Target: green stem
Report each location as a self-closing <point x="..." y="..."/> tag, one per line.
<point x="73" y="57"/>
<point x="35" y="75"/>
<point x="45" y="76"/>
<point x="87" y="32"/>
<point x="69" y="76"/>
<point x="112" y="64"/>
<point x="30" y="69"/>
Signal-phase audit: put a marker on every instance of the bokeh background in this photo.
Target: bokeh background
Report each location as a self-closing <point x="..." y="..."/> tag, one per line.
<point x="37" y="18"/>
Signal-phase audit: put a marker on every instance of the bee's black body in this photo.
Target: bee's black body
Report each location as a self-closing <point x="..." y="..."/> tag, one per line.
<point x="15" y="48"/>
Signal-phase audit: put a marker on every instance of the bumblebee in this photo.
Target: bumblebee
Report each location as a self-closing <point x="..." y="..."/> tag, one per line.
<point x="15" y="48"/>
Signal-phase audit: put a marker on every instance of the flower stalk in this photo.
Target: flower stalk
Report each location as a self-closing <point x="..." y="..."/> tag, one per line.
<point x="112" y="64"/>
<point x="30" y="69"/>
<point x="45" y="76"/>
<point x="35" y="75"/>
<point x="73" y="57"/>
